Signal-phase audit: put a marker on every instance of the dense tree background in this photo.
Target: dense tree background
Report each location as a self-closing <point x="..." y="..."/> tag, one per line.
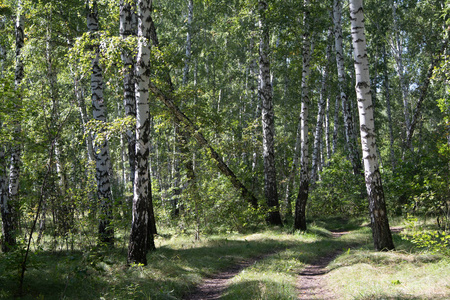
<point x="215" y="84"/>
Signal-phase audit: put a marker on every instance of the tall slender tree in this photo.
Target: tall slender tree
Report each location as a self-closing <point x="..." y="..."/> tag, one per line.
<point x="266" y="98"/>
<point x="140" y="237"/>
<point x="302" y="198"/>
<point x="9" y="183"/>
<point x="381" y="233"/>
<point x="128" y="28"/>
<point x="350" y="135"/>
<point x="102" y="159"/>
<point x="321" y="110"/>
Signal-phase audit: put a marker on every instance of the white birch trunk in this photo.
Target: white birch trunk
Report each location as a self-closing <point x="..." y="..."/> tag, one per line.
<point x="377" y="208"/>
<point x="128" y="27"/>
<point x="335" y="124"/>
<point x="14" y="169"/>
<point x="316" y="160"/>
<point x="350" y="135"/>
<point x="319" y="127"/>
<point x="101" y="151"/>
<point x="267" y="116"/>
<point x="327" y="129"/>
<point x="138" y="245"/>
<point x="8" y="227"/>
<point x="300" y="204"/>
<point x="8" y="237"/>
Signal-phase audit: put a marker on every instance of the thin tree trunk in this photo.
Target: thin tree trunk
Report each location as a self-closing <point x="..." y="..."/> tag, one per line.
<point x="15" y="158"/>
<point x="139" y="244"/>
<point x="84" y="119"/>
<point x="422" y="94"/>
<point x="319" y="128"/>
<point x="397" y="48"/>
<point x="128" y="28"/>
<point x="8" y="240"/>
<point x="350" y="135"/>
<point x="381" y="233"/>
<point x="327" y="129"/>
<point x="8" y="227"/>
<point x="266" y="98"/>
<point x="389" y="112"/>
<point x="101" y="153"/>
<point x="335" y="124"/>
<point x="320" y="115"/>
<point x="302" y="198"/>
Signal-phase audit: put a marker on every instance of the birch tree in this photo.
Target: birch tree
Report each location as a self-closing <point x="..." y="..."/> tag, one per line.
<point x="267" y="116"/>
<point x="101" y="151"/>
<point x="300" y="204"/>
<point x="350" y="136"/>
<point x="140" y="237"/>
<point x="9" y="182"/>
<point x="8" y="226"/>
<point x="128" y="28"/>
<point x="321" y="110"/>
<point x="381" y="233"/>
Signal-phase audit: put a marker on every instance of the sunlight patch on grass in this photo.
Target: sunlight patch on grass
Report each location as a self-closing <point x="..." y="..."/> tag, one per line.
<point x="390" y="275"/>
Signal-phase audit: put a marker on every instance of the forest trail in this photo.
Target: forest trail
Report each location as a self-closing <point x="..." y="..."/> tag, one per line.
<point x="213" y="287"/>
<point x="309" y="284"/>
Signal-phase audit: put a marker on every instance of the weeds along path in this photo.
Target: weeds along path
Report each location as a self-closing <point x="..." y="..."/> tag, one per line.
<point x="213" y="287"/>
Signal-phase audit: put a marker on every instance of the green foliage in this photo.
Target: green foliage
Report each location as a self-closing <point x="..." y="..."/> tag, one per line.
<point x="338" y="192"/>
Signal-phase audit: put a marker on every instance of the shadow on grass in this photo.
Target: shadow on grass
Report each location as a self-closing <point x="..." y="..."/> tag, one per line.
<point x="170" y="273"/>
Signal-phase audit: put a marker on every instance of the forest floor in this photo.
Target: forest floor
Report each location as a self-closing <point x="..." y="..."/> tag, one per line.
<point x="309" y="284"/>
<point x="334" y="259"/>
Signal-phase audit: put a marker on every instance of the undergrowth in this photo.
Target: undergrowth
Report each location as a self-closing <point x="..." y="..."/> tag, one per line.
<point x="180" y="263"/>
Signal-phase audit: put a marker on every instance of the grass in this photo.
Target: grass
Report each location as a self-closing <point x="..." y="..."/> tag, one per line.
<point x="180" y="263"/>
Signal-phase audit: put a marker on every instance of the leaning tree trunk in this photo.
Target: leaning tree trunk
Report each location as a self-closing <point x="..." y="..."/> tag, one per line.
<point x="101" y="153"/>
<point x="300" y="204"/>
<point x="128" y="27"/>
<point x="265" y="96"/>
<point x="139" y="244"/>
<point x="377" y="207"/>
<point x="193" y="130"/>
<point x="350" y="135"/>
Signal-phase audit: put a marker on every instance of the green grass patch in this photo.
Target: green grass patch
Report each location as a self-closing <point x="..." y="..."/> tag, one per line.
<point x="179" y="264"/>
<point x="275" y="276"/>
<point x="402" y="274"/>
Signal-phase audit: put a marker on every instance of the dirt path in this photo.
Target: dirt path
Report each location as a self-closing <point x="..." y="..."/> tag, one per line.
<point x="310" y="282"/>
<point x="213" y="287"/>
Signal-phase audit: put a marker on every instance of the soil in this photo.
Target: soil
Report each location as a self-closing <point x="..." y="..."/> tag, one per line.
<point x="310" y="283"/>
<point x="213" y="287"/>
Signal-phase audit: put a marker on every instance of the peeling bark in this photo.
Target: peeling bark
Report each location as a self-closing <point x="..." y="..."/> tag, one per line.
<point x="101" y="153"/>
<point x="377" y="207"/>
<point x="141" y="237"/>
